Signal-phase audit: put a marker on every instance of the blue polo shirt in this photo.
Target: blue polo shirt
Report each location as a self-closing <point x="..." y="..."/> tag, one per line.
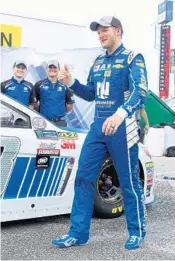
<point x="22" y="91"/>
<point x="53" y="98"/>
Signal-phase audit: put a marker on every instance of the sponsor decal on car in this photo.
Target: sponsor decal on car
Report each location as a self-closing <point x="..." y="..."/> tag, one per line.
<point x="68" y="135"/>
<point x="38" y="123"/>
<point x="42" y="161"/>
<point x="118" y="209"/>
<point x="148" y="191"/>
<point x="68" y="144"/>
<point x="149" y="164"/>
<point x="149" y="180"/>
<point x="44" y="145"/>
<point x="51" y="152"/>
<point x="46" y="134"/>
<point x="149" y="168"/>
<point x="150" y="173"/>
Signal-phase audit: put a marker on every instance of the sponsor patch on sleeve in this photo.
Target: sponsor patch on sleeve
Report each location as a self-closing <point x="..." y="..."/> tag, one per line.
<point x="130" y="57"/>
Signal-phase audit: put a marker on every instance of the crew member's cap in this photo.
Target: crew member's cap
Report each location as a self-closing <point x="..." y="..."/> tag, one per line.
<point x="17" y="63"/>
<point x="53" y="63"/>
<point x="106" y="21"/>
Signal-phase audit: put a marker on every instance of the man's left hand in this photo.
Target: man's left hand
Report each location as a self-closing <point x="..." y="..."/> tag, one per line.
<point x="111" y="124"/>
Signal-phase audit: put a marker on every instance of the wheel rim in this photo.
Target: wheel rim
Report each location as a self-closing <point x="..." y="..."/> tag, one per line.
<point x="108" y="186"/>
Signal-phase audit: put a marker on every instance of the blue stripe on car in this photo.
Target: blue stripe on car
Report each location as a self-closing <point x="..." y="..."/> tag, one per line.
<point x="59" y="179"/>
<point x="16" y="178"/>
<point x="46" y="190"/>
<point x="27" y="181"/>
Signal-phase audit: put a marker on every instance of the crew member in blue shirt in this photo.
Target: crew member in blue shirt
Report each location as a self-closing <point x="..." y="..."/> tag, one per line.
<point x="18" y="88"/>
<point x="55" y="99"/>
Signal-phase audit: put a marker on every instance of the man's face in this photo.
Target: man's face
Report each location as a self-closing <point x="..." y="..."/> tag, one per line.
<point x="52" y="71"/>
<point x="108" y="36"/>
<point x="19" y="71"/>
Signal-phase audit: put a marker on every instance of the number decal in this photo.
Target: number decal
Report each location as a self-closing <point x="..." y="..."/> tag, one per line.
<point x="9" y="150"/>
<point x="103" y="89"/>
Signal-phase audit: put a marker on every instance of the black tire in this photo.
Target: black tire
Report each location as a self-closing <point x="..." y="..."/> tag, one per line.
<point x="108" y="197"/>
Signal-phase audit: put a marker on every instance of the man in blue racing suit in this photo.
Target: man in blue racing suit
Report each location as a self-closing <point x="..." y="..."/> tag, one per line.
<point x="118" y="83"/>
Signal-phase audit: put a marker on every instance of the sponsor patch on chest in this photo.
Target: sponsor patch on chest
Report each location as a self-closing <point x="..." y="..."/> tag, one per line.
<point x="107" y="73"/>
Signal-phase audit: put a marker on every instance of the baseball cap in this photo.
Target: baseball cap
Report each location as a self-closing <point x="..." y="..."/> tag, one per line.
<point x="106" y="21"/>
<point x="53" y="63"/>
<point x="20" y="63"/>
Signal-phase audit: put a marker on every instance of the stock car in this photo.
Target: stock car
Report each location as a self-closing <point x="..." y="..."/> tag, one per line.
<point x="38" y="167"/>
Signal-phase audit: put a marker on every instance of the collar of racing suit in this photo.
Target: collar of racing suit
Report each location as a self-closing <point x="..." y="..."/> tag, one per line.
<point x="118" y="50"/>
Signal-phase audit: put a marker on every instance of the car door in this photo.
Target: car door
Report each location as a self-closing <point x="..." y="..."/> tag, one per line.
<point x="30" y="156"/>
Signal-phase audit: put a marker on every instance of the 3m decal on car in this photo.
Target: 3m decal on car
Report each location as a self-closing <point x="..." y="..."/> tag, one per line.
<point x="68" y="144"/>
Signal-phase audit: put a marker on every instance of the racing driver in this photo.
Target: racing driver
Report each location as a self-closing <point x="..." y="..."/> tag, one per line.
<point x="118" y="83"/>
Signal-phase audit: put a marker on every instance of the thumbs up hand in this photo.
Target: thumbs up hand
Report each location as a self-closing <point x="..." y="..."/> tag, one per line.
<point x="64" y="76"/>
<point x="66" y="68"/>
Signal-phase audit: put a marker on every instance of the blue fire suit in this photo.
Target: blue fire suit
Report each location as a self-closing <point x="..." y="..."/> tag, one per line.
<point x="115" y="81"/>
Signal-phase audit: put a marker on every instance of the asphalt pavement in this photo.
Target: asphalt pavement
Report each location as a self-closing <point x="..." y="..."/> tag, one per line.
<point x="31" y="239"/>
